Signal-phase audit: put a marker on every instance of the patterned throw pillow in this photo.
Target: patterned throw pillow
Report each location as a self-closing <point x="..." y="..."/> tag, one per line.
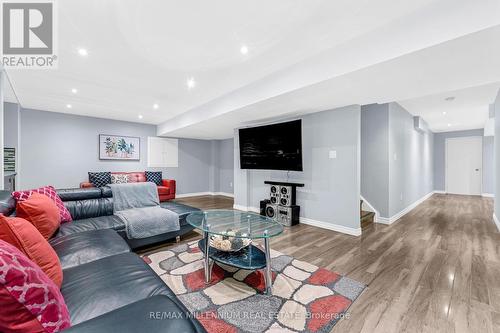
<point x="51" y="193"/>
<point x="100" y="179"/>
<point x="120" y="178"/>
<point x="154" y="177"/>
<point x="30" y="300"/>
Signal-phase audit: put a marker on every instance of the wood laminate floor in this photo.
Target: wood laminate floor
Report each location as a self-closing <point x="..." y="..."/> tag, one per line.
<point x="437" y="269"/>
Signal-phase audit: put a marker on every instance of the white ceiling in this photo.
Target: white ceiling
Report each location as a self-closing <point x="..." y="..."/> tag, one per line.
<point x="467" y="109"/>
<point x="303" y="57"/>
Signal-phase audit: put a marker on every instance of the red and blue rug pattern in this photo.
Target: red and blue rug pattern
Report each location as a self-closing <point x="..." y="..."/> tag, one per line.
<point x="305" y="298"/>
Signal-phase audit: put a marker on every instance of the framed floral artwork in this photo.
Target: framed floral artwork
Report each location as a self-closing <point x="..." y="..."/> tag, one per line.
<point x="118" y="147"/>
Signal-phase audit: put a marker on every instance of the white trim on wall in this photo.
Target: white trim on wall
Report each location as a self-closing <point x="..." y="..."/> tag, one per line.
<point x="197" y="194"/>
<point x="497" y="222"/>
<point x="394" y="218"/>
<point x="331" y="226"/>
<point x="488" y="195"/>
<point x="311" y="222"/>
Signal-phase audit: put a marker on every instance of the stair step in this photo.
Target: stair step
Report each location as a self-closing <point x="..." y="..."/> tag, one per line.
<point x="366" y="218"/>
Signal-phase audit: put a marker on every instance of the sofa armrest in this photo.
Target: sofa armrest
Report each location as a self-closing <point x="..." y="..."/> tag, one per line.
<point x="86" y="185"/>
<point x="154" y="314"/>
<point x="170" y="183"/>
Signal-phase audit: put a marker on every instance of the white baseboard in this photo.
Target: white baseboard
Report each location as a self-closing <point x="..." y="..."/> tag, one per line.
<point x="497" y="222"/>
<point x="331" y="226"/>
<point x="394" y="218"/>
<point x="488" y="195"/>
<point x="440" y="192"/>
<point x="197" y="194"/>
<point x="246" y="209"/>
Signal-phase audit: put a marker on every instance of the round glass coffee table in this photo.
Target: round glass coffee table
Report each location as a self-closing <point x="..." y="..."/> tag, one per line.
<point x="245" y="225"/>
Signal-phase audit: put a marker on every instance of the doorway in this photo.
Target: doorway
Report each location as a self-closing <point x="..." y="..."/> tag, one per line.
<point x="464" y="164"/>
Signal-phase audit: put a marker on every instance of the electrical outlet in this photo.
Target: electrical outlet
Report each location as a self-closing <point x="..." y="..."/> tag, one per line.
<point x="332" y="154"/>
<point x="231" y="184"/>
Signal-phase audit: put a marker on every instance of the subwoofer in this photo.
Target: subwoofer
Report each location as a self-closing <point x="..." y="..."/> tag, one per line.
<point x="286" y="196"/>
<point x="274" y="194"/>
<point x="271" y="211"/>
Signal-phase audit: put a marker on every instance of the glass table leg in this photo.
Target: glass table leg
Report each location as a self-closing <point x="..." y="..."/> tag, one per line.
<point x="268" y="273"/>
<point x="208" y="268"/>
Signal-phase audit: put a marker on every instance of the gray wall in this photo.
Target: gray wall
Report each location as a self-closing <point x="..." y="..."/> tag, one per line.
<point x="497" y="154"/>
<point x="59" y="149"/>
<point x="489" y="164"/>
<point x="11" y="125"/>
<point x="440" y="155"/>
<point x="331" y="192"/>
<point x="396" y="160"/>
<point x="410" y="160"/>
<point x="375" y="156"/>
<point x="225" y="165"/>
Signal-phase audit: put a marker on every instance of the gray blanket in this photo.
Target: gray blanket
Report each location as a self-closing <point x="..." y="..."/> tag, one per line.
<point x="138" y="206"/>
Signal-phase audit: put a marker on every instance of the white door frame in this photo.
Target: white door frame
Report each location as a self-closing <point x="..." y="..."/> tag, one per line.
<point x="446" y="160"/>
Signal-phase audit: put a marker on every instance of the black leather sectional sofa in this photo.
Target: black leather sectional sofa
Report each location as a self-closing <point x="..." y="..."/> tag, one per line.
<point x="106" y="286"/>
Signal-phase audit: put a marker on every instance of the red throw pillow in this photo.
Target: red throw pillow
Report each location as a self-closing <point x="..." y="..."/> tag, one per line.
<point x="42" y="212"/>
<point x="30" y="301"/>
<point x="24" y="236"/>
<point x="52" y="194"/>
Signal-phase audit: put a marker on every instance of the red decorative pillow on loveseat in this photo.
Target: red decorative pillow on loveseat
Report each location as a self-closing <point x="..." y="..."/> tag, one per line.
<point x="51" y="193"/>
<point x="30" y="301"/>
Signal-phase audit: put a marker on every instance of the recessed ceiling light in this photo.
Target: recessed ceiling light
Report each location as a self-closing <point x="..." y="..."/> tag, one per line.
<point x="69" y="106"/>
<point x="83" y="52"/>
<point x="444" y="112"/>
<point x="244" y="49"/>
<point x="191" y="83"/>
<point x="155" y="106"/>
<point x="449" y="125"/>
<point x="449" y="99"/>
<point x="74" y="90"/>
<point x="140" y="116"/>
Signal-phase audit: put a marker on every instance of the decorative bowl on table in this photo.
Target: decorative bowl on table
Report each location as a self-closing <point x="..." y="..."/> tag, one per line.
<point x="229" y="241"/>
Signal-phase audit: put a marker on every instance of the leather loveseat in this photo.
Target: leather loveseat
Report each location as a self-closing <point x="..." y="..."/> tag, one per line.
<point x="106" y="287"/>
<point x="166" y="191"/>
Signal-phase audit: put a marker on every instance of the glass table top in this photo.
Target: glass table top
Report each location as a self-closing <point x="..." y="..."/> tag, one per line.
<point x="241" y="224"/>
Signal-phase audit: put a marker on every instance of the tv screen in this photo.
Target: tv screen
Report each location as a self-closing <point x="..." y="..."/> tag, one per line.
<point x="272" y="147"/>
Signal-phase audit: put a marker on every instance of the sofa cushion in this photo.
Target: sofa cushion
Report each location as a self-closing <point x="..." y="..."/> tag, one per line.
<point x="7" y="203"/>
<point x="100" y="178"/>
<point x="25" y="237"/>
<point x="137" y="317"/>
<point x="40" y="308"/>
<point x="163" y="190"/>
<point x="154" y="177"/>
<point x="42" y="212"/>
<point x="50" y="192"/>
<point x="94" y="223"/>
<point x="182" y="210"/>
<point x="104" y="285"/>
<point x="84" y="247"/>
<point x="74" y="194"/>
<point x="136" y="177"/>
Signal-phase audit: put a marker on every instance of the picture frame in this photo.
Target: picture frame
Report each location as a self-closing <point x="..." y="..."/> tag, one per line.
<point x="119" y="147"/>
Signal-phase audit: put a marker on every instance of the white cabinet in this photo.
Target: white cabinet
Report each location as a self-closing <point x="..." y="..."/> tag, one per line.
<point x="163" y="152"/>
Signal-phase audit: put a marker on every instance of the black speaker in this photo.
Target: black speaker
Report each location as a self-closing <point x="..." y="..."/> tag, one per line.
<point x="274" y="194"/>
<point x="271" y="211"/>
<point x="263" y="204"/>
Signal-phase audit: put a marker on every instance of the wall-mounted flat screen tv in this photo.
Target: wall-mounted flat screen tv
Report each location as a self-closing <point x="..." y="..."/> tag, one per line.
<point x="272" y="147"/>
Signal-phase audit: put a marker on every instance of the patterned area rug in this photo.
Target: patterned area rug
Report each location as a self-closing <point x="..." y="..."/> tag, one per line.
<point x="305" y="298"/>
